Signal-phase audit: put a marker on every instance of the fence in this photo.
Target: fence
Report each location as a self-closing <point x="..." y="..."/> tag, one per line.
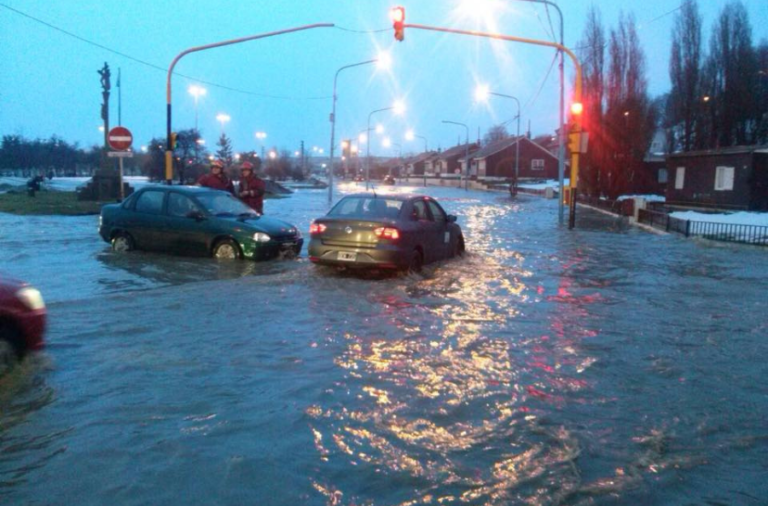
<point x="726" y="232"/>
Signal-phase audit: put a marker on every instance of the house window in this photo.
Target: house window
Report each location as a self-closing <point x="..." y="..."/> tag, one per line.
<point x="679" y="178"/>
<point x="724" y="179"/>
<point x="537" y="164"/>
<point x="663" y="176"/>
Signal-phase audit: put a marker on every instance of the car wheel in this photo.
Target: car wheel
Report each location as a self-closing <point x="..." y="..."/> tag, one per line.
<point x="122" y="243"/>
<point x="416" y="263"/>
<point x="460" y="250"/>
<point x="226" y="249"/>
<point x="10" y="353"/>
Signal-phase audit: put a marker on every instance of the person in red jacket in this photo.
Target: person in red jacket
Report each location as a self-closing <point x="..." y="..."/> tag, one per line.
<point x="252" y="188"/>
<point x="216" y="179"/>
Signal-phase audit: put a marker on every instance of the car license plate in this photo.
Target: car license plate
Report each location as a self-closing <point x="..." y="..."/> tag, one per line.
<point x="288" y="245"/>
<point x="347" y="256"/>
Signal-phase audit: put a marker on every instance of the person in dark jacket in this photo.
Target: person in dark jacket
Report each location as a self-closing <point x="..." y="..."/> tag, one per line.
<point x="252" y="188"/>
<point x="216" y="179"/>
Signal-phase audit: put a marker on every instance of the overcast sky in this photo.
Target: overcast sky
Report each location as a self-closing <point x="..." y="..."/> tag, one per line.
<point x="282" y="85"/>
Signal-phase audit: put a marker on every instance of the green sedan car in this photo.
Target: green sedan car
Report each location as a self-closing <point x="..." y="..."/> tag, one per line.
<point x="191" y="220"/>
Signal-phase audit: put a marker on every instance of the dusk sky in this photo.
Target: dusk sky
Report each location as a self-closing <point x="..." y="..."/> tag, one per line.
<point x="282" y="85"/>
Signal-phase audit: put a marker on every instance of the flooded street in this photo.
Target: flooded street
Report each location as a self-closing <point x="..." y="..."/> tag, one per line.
<point x="606" y="365"/>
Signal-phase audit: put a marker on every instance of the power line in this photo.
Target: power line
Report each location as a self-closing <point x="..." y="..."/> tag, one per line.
<point x="157" y="67"/>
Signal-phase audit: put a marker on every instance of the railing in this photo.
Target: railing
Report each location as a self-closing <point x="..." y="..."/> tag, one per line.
<point x="729" y="232"/>
<point x="726" y="232"/>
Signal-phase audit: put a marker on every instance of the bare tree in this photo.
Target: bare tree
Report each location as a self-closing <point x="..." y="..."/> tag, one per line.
<point x="685" y="98"/>
<point x="495" y="133"/>
<point x="762" y="93"/>
<point x="592" y="54"/>
<point x="732" y="77"/>
<point x="629" y="119"/>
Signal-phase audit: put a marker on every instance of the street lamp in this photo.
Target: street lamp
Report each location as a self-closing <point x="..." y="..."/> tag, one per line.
<point x="197" y="92"/>
<point x="481" y="94"/>
<point x="384" y="60"/>
<point x="399" y="108"/>
<point x="222" y="118"/>
<point x="410" y="135"/>
<point x="260" y="136"/>
<point x="466" y="151"/>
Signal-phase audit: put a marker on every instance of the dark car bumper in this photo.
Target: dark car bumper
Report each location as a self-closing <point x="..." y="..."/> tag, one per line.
<point x="383" y="256"/>
<point x="31" y="324"/>
<point x="272" y="249"/>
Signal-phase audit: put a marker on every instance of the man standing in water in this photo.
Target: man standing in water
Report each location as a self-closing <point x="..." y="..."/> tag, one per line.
<point x="216" y="179"/>
<point x="252" y="188"/>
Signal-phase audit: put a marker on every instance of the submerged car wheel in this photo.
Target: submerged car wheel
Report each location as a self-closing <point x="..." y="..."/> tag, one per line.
<point x="10" y="353"/>
<point x="122" y="243"/>
<point x="226" y="249"/>
<point x="460" y="250"/>
<point x="416" y="263"/>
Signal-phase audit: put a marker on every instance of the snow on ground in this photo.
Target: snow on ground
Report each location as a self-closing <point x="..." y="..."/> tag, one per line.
<point x="70" y="184"/>
<point x="740" y="218"/>
<point x="648" y="198"/>
<point x="550" y="183"/>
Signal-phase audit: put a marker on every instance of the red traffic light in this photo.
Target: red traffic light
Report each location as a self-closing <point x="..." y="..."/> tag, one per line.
<point x="398" y="14"/>
<point x="398" y="18"/>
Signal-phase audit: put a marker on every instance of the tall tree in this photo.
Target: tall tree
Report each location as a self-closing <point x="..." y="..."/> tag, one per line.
<point x="629" y="119"/>
<point x="761" y="130"/>
<point x="224" y="153"/>
<point x="685" y="98"/>
<point x="732" y="77"/>
<point x="592" y="55"/>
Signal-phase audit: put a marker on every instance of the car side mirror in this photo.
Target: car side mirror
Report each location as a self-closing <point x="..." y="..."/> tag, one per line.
<point x="452" y="218"/>
<point x="196" y="215"/>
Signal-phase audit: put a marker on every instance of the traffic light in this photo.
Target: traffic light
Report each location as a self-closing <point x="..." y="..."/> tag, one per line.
<point x="174" y="135"/>
<point x="398" y="20"/>
<point x="345" y="147"/>
<point x="577" y="108"/>
<point x="574" y="142"/>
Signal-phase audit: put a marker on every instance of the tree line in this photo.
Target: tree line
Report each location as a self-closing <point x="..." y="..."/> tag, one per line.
<point x="54" y="156"/>
<point x="717" y="98"/>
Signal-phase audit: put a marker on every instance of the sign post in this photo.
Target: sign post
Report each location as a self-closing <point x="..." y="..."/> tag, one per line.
<point x="120" y="140"/>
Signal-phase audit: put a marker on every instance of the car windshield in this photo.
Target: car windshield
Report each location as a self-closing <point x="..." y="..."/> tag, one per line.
<point x="223" y="204"/>
<point x="372" y="207"/>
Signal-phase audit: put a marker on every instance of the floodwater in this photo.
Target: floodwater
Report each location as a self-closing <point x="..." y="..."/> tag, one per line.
<point x="605" y="365"/>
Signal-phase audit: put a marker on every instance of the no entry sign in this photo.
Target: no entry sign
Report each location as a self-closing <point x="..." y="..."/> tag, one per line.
<point x="119" y="138"/>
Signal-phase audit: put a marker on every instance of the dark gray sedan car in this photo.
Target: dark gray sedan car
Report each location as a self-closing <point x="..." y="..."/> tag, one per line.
<point x="385" y="232"/>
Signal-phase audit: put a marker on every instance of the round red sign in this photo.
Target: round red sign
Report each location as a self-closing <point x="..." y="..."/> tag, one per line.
<point x="119" y="138"/>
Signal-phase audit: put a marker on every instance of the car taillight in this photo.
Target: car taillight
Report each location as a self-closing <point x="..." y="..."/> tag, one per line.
<point x="317" y="228"/>
<point x="387" y="233"/>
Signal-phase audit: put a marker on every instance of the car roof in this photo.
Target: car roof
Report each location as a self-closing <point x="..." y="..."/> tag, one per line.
<point x="390" y="196"/>
<point x="182" y="189"/>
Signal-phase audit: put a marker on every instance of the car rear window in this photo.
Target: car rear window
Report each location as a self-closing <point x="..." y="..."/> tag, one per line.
<point x="372" y="207"/>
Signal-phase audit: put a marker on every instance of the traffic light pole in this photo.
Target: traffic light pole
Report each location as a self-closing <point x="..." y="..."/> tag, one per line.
<point x="576" y="127"/>
<point x="169" y="145"/>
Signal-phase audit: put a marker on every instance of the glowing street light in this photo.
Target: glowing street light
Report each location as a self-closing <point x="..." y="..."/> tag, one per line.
<point x="379" y="129"/>
<point x="411" y="135"/>
<point x="362" y="138"/>
<point x="482" y="93"/>
<point x="272" y="155"/>
<point x="398" y="106"/>
<point x="386" y="142"/>
<point x="222" y="118"/>
<point x="197" y="92"/>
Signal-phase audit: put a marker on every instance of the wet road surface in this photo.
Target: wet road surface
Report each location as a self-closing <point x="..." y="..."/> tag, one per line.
<point x="601" y="366"/>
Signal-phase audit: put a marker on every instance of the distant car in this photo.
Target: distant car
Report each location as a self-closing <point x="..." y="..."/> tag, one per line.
<point x="197" y="221"/>
<point x="400" y="232"/>
<point x="359" y="179"/>
<point x="22" y="318"/>
<point x="388" y="179"/>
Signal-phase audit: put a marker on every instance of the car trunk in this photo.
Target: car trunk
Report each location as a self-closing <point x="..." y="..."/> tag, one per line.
<point x="351" y="233"/>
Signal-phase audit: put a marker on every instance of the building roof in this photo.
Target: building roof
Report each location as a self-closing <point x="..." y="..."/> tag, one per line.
<point x="456" y="151"/>
<point x="503" y="144"/>
<point x="421" y="157"/>
<point x="733" y="150"/>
